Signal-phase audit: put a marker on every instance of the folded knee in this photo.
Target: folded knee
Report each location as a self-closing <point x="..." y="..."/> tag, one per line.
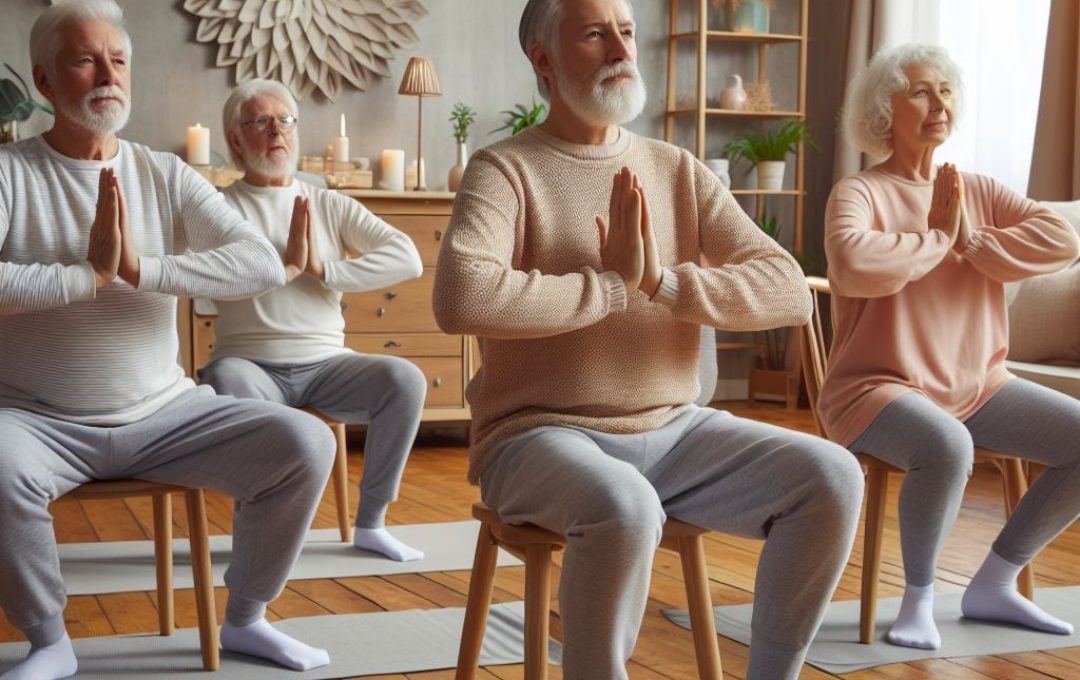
<point x="626" y="512"/>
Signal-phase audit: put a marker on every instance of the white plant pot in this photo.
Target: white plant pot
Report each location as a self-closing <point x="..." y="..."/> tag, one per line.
<point x="770" y="175"/>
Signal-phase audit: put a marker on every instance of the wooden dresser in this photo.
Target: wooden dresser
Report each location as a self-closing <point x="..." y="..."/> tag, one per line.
<point x="396" y="320"/>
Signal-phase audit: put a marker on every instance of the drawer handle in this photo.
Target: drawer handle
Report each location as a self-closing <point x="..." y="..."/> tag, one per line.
<point x="391" y="295"/>
<point x="344" y="305"/>
<point x="437" y="382"/>
<point x="438" y="234"/>
<point x="392" y="345"/>
<point x="381" y="312"/>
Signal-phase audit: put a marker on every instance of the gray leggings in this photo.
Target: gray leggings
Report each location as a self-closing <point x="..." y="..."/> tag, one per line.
<point x="385" y="392"/>
<point x="273" y="460"/>
<point x="609" y="495"/>
<point x="1023" y="419"/>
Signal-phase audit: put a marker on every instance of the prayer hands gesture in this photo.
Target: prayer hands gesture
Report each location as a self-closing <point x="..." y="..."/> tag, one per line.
<point x="946" y="206"/>
<point x="111" y="250"/>
<point x="302" y="251"/>
<point x="627" y="242"/>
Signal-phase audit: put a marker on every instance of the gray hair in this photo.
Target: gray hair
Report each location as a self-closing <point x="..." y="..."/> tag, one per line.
<point x="540" y="24"/>
<point x="45" y="35"/>
<point x="244" y="93"/>
<point x="867" y="117"/>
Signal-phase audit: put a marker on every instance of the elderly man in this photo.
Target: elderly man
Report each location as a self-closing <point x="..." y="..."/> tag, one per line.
<point x="288" y="345"/>
<point x="97" y="237"/>
<point x="586" y="258"/>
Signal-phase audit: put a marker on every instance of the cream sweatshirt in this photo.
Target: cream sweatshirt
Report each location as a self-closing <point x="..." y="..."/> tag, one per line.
<point x="301" y="321"/>
<point x="563" y="342"/>
<point x="911" y="314"/>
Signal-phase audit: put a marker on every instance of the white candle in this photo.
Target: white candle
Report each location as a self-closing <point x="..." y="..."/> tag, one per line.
<point x="393" y="170"/>
<point x="410" y="175"/>
<point x="198" y="145"/>
<point x="341" y="145"/>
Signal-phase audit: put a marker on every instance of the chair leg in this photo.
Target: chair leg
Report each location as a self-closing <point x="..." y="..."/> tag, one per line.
<point x="204" y="579"/>
<point x="877" y="485"/>
<point x="478" y="604"/>
<point x="1014" y="481"/>
<point x="163" y="559"/>
<point x="341" y="484"/>
<point x="537" y="610"/>
<point x="699" y="599"/>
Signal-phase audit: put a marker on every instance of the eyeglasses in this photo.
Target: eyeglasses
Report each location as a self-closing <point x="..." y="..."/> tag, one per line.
<point x="262" y="123"/>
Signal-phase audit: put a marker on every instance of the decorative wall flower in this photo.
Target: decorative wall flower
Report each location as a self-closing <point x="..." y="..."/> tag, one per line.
<point x="308" y="44"/>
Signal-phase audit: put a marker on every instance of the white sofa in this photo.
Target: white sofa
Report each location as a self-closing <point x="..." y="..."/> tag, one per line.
<point x="1044" y="322"/>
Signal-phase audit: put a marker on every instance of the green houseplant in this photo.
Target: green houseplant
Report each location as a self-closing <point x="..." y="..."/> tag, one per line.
<point x="462" y="116"/>
<point x="521" y="118"/>
<point x="16" y="105"/>
<point x="767" y="149"/>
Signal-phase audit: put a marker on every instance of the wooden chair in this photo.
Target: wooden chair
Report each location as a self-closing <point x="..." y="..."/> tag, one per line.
<point x="1014" y="479"/>
<point x="202" y="344"/>
<point x="163" y="554"/>
<point x="535" y="546"/>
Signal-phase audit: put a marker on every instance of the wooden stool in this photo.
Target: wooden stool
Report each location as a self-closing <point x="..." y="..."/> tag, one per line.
<point x="163" y="554"/>
<point x="535" y="546"/>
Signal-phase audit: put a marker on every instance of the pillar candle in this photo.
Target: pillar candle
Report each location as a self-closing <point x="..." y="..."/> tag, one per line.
<point x="198" y="145"/>
<point x="393" y="170"/>
<point x="341" y="145"/>
<point x="410" y="175"/>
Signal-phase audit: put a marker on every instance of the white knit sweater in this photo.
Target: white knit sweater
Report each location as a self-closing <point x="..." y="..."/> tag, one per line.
<point x="109" y="357"/>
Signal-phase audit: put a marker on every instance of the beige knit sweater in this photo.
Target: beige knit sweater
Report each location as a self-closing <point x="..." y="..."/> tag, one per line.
<point x="561" y="341"/>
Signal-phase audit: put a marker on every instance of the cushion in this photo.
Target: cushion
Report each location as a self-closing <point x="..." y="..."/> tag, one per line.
<point x="1044" y="311"/>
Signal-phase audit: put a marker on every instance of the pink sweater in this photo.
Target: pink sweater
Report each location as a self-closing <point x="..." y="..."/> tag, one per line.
<point x="912" y="315"/>
<point x="562" y="342"/>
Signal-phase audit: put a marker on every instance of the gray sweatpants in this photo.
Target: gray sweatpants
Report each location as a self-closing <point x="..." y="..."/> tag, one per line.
<point x="609" y="495"/>
<point x="273" y="460"/>
<point x="385" y="392"/>
<point x="1023" y="419"/>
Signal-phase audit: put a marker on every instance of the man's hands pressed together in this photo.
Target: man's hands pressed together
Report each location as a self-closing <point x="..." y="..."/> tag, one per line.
<point x="302" y="251"/>
<point x="627" y="242"/>
<point x="111" y="250"/>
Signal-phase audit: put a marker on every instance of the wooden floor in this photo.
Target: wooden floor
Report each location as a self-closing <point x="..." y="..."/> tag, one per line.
<point x="434" y="490"/>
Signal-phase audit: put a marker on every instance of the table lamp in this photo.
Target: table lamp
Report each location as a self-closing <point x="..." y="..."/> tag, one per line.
<point x="420" y="81"/>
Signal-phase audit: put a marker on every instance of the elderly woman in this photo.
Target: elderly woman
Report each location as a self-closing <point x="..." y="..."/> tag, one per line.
<point x="918" y="255"/>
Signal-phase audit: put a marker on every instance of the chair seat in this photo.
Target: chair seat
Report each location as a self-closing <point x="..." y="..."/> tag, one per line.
<point x="116" y="488"/>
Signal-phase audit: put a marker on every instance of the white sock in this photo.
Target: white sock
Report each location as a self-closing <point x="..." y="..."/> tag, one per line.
<point x="46" y="663"/>
<point x="266" y="642"/>
<point x="914" y="626"/>
<point x="380" y="541"/>
<point x="992" y="596"/>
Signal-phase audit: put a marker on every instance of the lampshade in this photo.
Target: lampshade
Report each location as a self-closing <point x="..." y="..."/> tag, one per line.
<point x="420" y="78"/>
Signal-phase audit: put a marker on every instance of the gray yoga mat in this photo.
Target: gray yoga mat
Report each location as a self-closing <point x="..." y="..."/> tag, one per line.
<point x="124" y="566"/>
<point x="359" y="644"/>
<point x="836" y="647"/>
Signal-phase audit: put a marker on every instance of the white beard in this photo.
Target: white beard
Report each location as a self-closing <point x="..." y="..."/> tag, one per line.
<point x="108" y="118"/>
<point x="601" y="103"/>
<point x="274" y="165"/>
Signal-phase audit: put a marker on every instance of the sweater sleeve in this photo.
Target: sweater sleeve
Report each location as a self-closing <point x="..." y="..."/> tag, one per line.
<point x="33" y="287"/>
<point x="1024" y="240"/>
<point x="225" y="257"/>
<point x="387" y="256"/>
<point x="746" y="280"/>
<point x="477" y="289"/>
<point x="865" y="262"/>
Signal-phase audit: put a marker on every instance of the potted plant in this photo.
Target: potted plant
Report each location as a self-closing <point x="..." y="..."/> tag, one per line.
<point x="767" y="149"/>
<point x="520" y="118"/>
<point x="462" y="116"/>
<point x="16" y="105"/>
<point x="771" y="373"/>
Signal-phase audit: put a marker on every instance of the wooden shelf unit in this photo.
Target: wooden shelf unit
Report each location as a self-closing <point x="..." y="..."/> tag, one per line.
<point x="703" y="112"/>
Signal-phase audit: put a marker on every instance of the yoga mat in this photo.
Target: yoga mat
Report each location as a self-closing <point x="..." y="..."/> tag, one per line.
<point x="836" y="647"/>
<point x="359" y="644"/>
<point x="124" y="566"/>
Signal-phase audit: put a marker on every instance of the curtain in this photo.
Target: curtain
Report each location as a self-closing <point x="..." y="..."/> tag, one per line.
<point x="1055" y="165"/>
<point x="875" y="25"/>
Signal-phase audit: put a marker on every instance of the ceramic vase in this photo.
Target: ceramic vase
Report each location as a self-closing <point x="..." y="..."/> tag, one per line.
<point x="752" y="16"/>
<point x="456" y="172"/>
<point x="733" y="98"/>
<point x="770" y="175"/>
<point x="720" y="166"/>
